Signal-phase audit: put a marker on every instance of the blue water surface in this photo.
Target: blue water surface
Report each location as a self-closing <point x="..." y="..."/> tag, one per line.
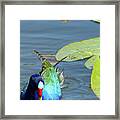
<point x="47" y="36"/>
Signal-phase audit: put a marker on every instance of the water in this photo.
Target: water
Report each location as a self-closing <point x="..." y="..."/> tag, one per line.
<point x="47" y="36"/>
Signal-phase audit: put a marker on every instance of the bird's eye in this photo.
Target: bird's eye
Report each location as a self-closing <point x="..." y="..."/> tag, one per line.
<point x="43" y="67"/>
<point x="40" y="85"/>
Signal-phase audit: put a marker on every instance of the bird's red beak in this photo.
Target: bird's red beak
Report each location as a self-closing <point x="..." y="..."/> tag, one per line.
<point x="40" y="92"/>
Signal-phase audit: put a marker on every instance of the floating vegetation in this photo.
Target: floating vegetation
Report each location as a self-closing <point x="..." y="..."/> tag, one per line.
<point x="65" y="21"/>
<point x="95" y="77"/>
<point x="90" y="62"/>
<point x="81" y="50"/>
<point x="96" y="21"/>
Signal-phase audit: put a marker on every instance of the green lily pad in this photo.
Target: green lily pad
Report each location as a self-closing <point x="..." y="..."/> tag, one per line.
<point x="95" y="77"/>
<point x="79" y="50"/>
<point x="96" y="21"/>
<point x="90" y="62"/>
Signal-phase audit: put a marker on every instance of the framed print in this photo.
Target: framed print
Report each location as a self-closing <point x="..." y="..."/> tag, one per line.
<point x="59" y="59"/>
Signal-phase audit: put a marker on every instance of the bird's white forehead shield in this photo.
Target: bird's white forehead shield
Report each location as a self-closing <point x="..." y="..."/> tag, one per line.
<point x="40" y="85"/>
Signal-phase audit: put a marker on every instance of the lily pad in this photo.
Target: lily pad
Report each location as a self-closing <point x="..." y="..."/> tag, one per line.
<point x="97" y="21"/>
<point x="79" y="50"/>
<point x="95" y="77"/>
<point x="90" y="62"/>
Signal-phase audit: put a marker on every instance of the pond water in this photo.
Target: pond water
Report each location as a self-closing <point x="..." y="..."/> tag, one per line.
<point x="47" y="36"/>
